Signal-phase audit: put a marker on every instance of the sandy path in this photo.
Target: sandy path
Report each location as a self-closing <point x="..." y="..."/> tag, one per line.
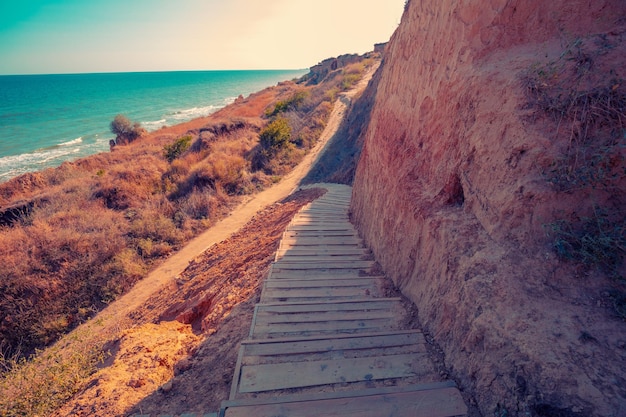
<point x="110" y="318"/>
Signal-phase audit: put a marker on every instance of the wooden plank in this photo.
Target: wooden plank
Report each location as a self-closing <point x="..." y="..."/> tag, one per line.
<point x="440" y="402"/>
<point x="323" y="250"/>
<point x="316" y="274"/>
<point x="235" y="383"/>
<point x="330" y="219"/>
<point x="275" y="347"/>
<point x="321" y="258"/>
<point x="305" y="397"/>
<point x="319" y="233"/>
<point x="363" y="303"/>
<point x="336" y="326"/>
<point x="285" y="265"/>
<point x="314" y="292"/>
<point x="269" y="319"/>
<point x="337" y="207"/>
<point x="318" y="218"/>
<point x="269" y="377"/>
<point x="363" y="282"/>
<point x="321" y="227"/>
<point x="327" y="241"/>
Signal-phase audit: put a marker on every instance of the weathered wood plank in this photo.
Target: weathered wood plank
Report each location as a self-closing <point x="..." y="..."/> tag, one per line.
<point x="336" y="326"/>
<point x="440" y="402"/>
<point x="274" y="347"/>
<point x="321" y="218"/>
<point x="319" y="233"/>
<point x="323" y="250"/>
<point x="316" y="273"/>
<point x="324" y="220"/>
<point x="322" y="241"/>
<point x="321" y="227"/>
<point x="269" y="377"/>
<point x="284" y="265"/>
<point x="314" y="292"/>
<point x="321" y="258"/>
<point x="363" y="282"/>
<point x="356" y="304"/>
<point x="269" y="319"/>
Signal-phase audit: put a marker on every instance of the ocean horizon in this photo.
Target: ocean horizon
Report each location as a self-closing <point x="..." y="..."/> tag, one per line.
<point x="48" y="119"/>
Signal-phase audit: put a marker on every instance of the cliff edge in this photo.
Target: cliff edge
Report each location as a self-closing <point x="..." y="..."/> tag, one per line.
<point x="478" y="167"/>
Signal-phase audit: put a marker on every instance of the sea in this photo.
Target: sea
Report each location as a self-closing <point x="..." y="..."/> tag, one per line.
<point x="46" y="120"/>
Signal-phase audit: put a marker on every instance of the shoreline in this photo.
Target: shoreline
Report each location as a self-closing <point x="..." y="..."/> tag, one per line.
<point x="56" y="137"/>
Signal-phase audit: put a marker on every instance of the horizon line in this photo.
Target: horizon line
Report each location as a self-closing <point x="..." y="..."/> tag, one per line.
<point x="150" y="71"/>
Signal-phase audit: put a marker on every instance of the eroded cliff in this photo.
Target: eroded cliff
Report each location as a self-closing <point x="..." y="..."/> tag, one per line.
<point x="460" y="177"/>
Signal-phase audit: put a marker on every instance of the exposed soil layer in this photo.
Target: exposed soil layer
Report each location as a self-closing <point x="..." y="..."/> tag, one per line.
<point x="451" y="194"/>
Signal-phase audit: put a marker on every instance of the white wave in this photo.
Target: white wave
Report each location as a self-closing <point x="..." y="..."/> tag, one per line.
<point x="14" y="165"/>
<point x="188" y="114"/>
<point x="72" y="142"/>
<point x="57" y="155"/>
<point x="154" y="125"/>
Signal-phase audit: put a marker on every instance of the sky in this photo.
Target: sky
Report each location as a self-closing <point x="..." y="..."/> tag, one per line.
<point x="78" y="36"/>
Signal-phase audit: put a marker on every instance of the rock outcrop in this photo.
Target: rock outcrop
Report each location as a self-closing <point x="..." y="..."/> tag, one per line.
<point x="318" y="72"/>
<point x="451" y="195"/>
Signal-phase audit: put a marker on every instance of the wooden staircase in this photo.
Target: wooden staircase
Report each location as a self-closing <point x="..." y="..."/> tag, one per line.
<point x="324" y="340"/>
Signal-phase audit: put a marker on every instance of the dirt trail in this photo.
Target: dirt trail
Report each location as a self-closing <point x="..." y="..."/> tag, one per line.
<point x="109" y="320"/>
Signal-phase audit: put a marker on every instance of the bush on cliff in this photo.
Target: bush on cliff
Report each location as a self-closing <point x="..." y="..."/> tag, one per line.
<point x="125" y="131"/>
<point x="177" y="148"/>
<point x="276" y="135"/>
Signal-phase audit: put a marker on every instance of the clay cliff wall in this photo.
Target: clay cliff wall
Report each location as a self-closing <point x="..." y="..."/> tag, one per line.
<point x="450" y="193"/>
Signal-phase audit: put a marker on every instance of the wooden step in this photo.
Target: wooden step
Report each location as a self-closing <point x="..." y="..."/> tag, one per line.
<point x="316" y="274"/>
<point x="439" y="399"/>
<point x="327" y="241"/>
<point x="291" y="257"/>
<point x="330" y="219"/>
<point x="335" y="264"/>
<point x="338" y="250"/>
<point x="356" y="304"/>
<point x="313" y="345"/>
<point x="361" y="282"/>
<point x="270" y="377"/>
<point x="319" y="233"/>
<point x="322" y="227"/>
<point x="334" y="315"/>
<point x="323" y="317"/>
<point x="311" y="294"/>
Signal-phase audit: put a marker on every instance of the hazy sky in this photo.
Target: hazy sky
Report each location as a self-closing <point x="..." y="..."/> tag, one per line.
<point x="66" y="36"/>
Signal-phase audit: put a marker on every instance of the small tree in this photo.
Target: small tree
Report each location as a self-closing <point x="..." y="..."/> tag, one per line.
<point x="177" y="148"/>
<point x="125" y="131"/>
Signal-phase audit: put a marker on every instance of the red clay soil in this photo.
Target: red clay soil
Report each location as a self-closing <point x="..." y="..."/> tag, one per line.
<point x="451" y="195"/>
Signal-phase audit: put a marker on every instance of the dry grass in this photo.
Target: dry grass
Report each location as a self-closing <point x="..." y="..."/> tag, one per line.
<point x="583" y="94"/>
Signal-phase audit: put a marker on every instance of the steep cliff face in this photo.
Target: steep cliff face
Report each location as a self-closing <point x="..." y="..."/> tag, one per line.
<point x="451" y="194"/>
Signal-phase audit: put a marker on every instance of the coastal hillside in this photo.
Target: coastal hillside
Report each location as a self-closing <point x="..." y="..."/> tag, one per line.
<point x="75" y="238"/>
<point x="491" y="187"/>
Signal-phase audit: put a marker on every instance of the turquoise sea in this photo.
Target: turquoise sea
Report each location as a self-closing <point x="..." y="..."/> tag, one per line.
<point x="48" y="119"/>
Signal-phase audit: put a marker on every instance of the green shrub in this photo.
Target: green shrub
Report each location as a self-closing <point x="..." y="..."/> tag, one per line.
<point x="598" y="241"/>
<point x="276" y="134"/>
<point x="176" y="149"/>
